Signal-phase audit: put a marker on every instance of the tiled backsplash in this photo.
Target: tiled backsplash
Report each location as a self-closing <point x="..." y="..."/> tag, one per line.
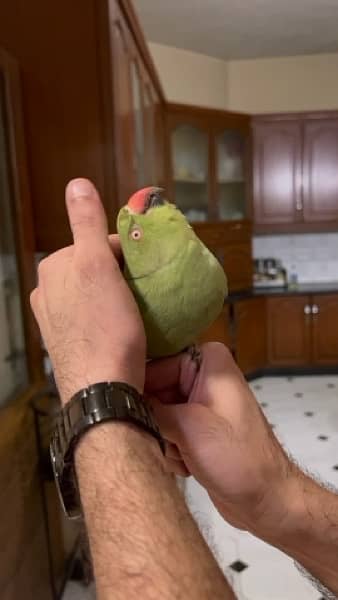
<point x="314" y="257"/>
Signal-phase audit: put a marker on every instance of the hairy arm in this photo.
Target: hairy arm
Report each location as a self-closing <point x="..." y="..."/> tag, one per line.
<point x="308" y="530"/>
<point x="142" y="538"/>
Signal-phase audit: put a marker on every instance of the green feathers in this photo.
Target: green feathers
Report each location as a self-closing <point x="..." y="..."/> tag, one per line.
<point x="178" y="284"/>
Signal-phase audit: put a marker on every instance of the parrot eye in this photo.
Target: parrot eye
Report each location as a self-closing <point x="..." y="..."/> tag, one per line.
<point x="136" y="233"/>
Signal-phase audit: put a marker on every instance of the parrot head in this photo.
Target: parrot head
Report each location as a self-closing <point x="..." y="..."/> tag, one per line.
<point x="151" y="230"/>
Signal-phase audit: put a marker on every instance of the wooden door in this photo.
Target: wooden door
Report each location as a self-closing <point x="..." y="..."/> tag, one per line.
<point x="277" y="171"/>
<point x="220" y="330"/>
<point x="126" y="86"/>
<point x="289" y="330"/>
<point x="320" y="170"/>
<point x="250" y="334"/>
<point x="325" y="329"/>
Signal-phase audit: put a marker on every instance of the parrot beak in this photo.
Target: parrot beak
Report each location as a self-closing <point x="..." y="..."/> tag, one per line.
<point x="155" y="198"/>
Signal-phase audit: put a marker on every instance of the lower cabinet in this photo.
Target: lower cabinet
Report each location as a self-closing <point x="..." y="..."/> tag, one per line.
<point x="303" y="330"/>
<point x="325" y="329"/>
<point x="289" y="330"/>
<point x="250" y="334"/>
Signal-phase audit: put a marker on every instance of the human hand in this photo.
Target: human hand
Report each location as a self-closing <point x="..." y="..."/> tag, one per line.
<point x="218" y="433"/>
<point x="87" y="315"/>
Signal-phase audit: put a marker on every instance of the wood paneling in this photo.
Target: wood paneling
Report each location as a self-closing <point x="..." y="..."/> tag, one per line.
<point x="320" y="170"/>
<point x="277" y="172"/>
<point x="325" y="329"/>
<point x="289" y="331"/>
<point x="24" y="566"/>
<point x="250" y="334"/>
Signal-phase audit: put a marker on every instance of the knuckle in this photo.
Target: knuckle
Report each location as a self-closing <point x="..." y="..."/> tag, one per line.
<point x="92" y="267"/>
<point x="42" y="266"/>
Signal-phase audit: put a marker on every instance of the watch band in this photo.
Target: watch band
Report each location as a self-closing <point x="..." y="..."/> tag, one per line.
<point x="98" y="403"/>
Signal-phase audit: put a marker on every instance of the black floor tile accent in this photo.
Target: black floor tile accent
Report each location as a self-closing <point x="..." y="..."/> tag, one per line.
<point x="335" y="467"/>
<point x="257" y="386"/>
<point x="323" y="438"/>
<point x="264" y="404"/>
<point x="238" y="566"/>
<point x="331" y="385"/>
<point x="298" y="395"/>
<point x="309" y="413"/>
<point x="289" y="378"/>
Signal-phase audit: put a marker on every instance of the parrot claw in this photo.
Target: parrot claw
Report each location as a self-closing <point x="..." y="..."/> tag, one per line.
<point x="195" y="355"/>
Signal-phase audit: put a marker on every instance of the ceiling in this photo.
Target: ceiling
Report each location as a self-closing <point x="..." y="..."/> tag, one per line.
<point x="234" y="29"/>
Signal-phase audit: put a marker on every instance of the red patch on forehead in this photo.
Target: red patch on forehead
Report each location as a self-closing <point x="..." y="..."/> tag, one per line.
<point x="137" y="202"/>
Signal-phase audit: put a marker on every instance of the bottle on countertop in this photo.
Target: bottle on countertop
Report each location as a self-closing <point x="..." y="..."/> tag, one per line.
<point x="293" y="278"/>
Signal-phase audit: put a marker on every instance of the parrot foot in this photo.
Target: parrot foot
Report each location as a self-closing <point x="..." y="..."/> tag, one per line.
<point x="195" y="355"/>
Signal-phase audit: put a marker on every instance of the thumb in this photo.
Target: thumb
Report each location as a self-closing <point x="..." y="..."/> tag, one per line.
<point x="86" y="214"/>
<point x="179" y="423"/>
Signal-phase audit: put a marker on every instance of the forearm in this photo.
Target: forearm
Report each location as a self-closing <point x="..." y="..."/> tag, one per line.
<point x="141" y="534"/>
<point x="308" y="529"/>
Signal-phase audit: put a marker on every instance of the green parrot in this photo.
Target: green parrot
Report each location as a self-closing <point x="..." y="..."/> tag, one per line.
<point x="177" y="282"/>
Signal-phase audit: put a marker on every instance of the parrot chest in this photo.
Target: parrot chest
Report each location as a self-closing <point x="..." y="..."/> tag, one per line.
<point x="180" y="300"/>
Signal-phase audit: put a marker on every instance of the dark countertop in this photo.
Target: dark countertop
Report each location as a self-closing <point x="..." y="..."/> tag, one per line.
<point x="302" y="288"/>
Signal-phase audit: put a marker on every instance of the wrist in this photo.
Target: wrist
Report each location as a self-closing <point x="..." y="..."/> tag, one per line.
<point x="69" y="386"/>
<point x="286" y="518"/>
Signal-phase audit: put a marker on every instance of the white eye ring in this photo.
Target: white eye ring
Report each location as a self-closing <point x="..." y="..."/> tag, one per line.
<point x="136" y="234"/>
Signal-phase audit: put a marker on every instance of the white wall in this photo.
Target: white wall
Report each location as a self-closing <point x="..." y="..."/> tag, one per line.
<point x="297" y="83"/>
<point x="191" y="78"/>
<point x="314" y="257"/>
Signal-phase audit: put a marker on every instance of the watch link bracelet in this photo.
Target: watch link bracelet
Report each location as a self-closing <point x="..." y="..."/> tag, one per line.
<point x="98" y="403"/>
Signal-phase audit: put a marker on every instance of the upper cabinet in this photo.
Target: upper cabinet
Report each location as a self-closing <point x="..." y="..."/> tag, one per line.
<point x="295" y="173"/>
<point x="93" y="105"/>
<point x="208" y="173"/>
<point x="320" y="170"/>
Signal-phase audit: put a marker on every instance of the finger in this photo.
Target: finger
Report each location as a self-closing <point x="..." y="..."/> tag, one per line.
<point x="178" y="423"/>
<point x="171" y="451"/>
<point x="86" y="215"/>
<point x="177" y="371"/>
<point x="114" y="242"/>
<point x="177" y="467"/>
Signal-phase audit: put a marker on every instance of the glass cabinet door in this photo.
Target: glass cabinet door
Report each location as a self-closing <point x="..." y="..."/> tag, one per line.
<point x="190" y="151"/>
<point x="13" y="367"/>
<point x="139" y="156"/>
<point x="230" y="175"/>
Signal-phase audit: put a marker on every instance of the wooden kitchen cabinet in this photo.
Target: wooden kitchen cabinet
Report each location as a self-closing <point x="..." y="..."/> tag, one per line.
<point x="250" y="334"/>
<point x="93" y="105"/>
<point x="289" y="330"/>
<point x="295" y="172"/>
<point x="320" y="170"/>
<point x="277" y="164"/>
<point x="324" y="310"/>
<point x="207" y="152"/>
<point x="220" y="330"/>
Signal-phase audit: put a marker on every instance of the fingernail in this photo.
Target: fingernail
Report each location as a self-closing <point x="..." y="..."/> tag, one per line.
<point x="79" y="188"/>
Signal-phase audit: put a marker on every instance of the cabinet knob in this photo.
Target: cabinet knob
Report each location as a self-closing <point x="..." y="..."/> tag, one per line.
<point x="307" y="309"/>
<point x="315" y="309"/>
<point x="299" y="205"/>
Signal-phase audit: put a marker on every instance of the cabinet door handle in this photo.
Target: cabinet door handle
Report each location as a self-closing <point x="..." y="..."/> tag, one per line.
<point x="315" y="309"/>
<point x="307" y="309"/>
<point x="299" y="205"/>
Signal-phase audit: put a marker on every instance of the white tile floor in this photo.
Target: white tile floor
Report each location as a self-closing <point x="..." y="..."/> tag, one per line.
<point x="304" y="412"/>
